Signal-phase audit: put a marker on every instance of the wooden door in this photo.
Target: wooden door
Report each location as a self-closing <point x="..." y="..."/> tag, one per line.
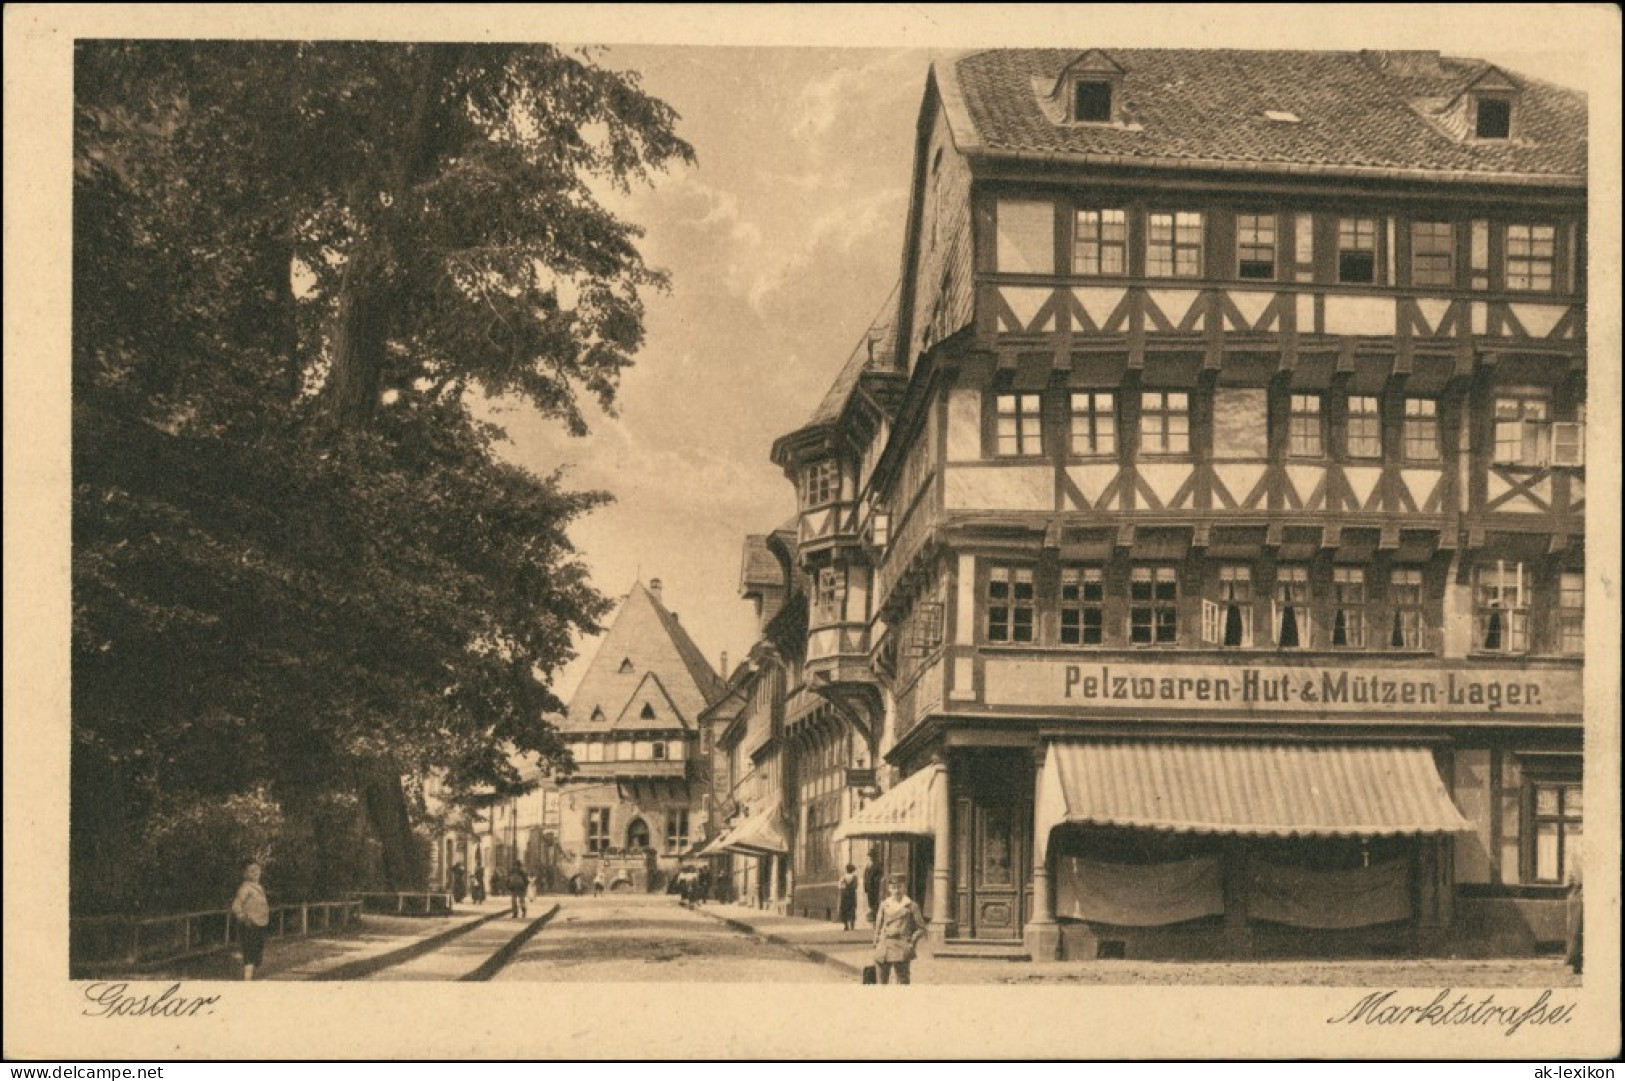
<point x="991" y="823"/>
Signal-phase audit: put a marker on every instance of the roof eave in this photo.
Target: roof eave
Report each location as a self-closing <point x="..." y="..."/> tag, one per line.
<point x="1353" y="172"/>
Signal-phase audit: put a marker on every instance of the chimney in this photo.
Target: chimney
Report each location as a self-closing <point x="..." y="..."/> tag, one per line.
<point x="724" y="668"/>
<point x="654" y="587"/>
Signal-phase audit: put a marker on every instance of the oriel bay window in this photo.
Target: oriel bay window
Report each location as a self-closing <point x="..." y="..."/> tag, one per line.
<point x="1292" y="620"/>
<point x="1229" y="621"/>
<point x="1348" y="607"/>
<point x="1153" y="613"/>
<point x="1255" y="246"/>
<point x="1082" y="604"/>
<point x="1405" y="601"/>
<point x="829" y="586"/>
<point x="1165" y="422"/>
<point x="821" y="483"/>
<point x="1501" y="608"/>
<point x="1094" y="424"/>
<point x="1009" y="604"/>
<point x="1100" y="243"/>
<point x="1173" y="244"/>
<point x="1019" y="425"/>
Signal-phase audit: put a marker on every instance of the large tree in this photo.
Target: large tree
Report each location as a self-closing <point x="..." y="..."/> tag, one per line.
<point x="301" y="571"/>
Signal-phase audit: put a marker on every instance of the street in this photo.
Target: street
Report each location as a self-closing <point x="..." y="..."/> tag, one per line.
<point x="640" y="938"/>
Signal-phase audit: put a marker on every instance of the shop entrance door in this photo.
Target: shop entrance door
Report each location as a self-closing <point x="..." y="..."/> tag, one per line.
<point x="992" y="825"/>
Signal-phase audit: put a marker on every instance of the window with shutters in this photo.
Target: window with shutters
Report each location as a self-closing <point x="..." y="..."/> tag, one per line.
<point x="1094" y="424"/>
<point x="1100" y="243"/>
<point x="1348" y="607"/>
<point x="1082" y="606"/>
<point x="1501" y="608"/>
<point x="1153" y="606"/>
<point x="1009" y="604"/>
<point x="1255" y="246"/>
<point x="1292" y="620"/>
<point x="1173" y="244"/>
<point x="1522" y="429"/>
<point x="1405" y="600"/>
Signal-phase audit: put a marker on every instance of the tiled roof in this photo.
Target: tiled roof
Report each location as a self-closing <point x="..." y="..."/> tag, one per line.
<point x="644" y="639"/>
<point x="758" y="566"/>
<point x="874" y="352"/>
<point x="1358" y="112"/>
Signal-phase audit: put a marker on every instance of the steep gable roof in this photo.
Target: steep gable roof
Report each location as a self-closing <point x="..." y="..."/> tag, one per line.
<point x="648" y="635"/>
<point x="1359" y="114"/>
<point x="874" y="352"/>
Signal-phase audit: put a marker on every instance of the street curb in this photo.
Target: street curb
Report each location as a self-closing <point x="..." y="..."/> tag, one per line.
<point x="495" y="963"/>
<point x="366" y="966"/>
<point x="779" y="940"/>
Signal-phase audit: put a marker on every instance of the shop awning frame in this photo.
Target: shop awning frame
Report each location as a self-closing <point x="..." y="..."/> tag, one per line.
<point x="758" y="835"/>
<point x="906" y="811"/>
<point x="1248" y="789"/>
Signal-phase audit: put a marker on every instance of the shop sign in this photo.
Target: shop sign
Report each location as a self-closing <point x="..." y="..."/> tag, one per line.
<point x="1243" y="688"/>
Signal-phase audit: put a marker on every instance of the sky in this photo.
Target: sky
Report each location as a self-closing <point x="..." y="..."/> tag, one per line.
<point x="782" y="242"/>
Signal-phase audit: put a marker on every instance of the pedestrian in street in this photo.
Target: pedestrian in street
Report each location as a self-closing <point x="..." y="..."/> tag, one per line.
<point x="598" y="884"/>
<point x="1574" y="954"/>
<point x="872" y="876"/>
<point x="252" y="911"/>
<point x="849" y="898"/>
<point x="899" y="926"/>
<point x="459" y="883"/>
<point x="518" y="889"/>
<point x="702" y="886"/>
<point x="477" y="886"/>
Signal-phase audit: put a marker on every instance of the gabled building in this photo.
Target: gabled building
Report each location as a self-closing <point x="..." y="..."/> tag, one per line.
<point x="1201" y="548"/>
<point x="633" y="806"/>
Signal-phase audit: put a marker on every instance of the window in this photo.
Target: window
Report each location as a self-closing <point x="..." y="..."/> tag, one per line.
<point x="1348" y="607"/>
<point x="1026" y="237"/>
<point x="1568" y="441"/>
<point x="1020" y="425"/>
<point x="1363" y="427"/>
<point x="1229" y="622"/>
<point x="1094" y="425"/>
<point x="1553" y="837"/>
<point x="820" y="484"/>
<point x="1405" y="596"/>
<point x="827" y="595"/>
<point x="1357" y="250"/>
<point x="1494" y="120"/>
<point x="1010" y="604"/>
<point x="1173" y="246"/>
<point x="1571" y="612"/>
<point x="1153" y="614"/>
<point x="1522" y="430"/>
<point x="676" y="830"/>
<point x="1255" y="246"/>
<point x="1303" y="432"/>
<point x="597" y="713"/>
<point x="1421" y="430"/>
<point x="1292" y="626"/>
<point x="657" y="751"/>
<point x="1082" y="606"/>
<point x="1433" y="253"/>
<point x="1100" y="243"/>
<point x="648" y="713"/>
<point x="1091" y="102"/>
<point x="1165" y="422"/>
<point x="1501" y="609"/>
<point x="597" y="829"/>
<point x="1531" y="257"/>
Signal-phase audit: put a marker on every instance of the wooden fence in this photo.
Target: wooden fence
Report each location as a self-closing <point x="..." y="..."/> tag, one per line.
<point x="100" y="942"/>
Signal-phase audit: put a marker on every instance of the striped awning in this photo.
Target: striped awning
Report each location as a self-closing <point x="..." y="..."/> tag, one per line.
<point x="1278" y="790"/>
<point x="758" y="835"/>
<point x="907" y="810"/>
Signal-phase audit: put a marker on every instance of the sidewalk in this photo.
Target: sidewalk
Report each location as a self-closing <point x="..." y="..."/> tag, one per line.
<point x="379" y="941"/>
<point x="850" y="951"/>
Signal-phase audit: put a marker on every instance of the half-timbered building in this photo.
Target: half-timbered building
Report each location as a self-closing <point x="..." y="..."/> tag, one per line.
<point x="1198" y="543"/>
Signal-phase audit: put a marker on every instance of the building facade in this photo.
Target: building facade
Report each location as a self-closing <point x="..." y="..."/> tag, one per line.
<point x="1194" y="550"/>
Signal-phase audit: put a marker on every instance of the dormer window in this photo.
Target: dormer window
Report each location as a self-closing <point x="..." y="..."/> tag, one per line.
<point x="1493" y="118"/>
<point x="648" y="713"/>
<point x="1092" y="101"/>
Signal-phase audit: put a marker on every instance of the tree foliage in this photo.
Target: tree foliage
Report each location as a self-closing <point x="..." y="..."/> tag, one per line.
<point x="299" y="566"/>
